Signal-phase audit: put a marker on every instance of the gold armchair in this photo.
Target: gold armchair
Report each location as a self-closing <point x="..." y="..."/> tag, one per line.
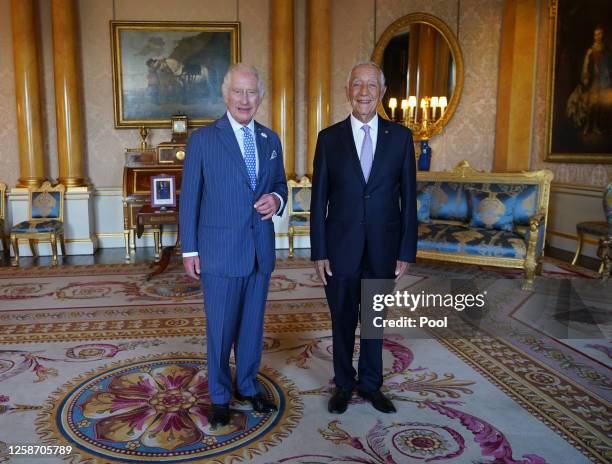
<point x="45" y="220"/>
<point x="299" y="209"/>
<point x="3" y="236"/>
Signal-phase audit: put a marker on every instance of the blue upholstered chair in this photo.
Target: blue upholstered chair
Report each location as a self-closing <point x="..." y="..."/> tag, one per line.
<point x="604" y="251"/>
<point x="45" y="220"/>
<point x="599" y="229"/>
<point x="3" y="236"/>
<point x="298" y="205"/>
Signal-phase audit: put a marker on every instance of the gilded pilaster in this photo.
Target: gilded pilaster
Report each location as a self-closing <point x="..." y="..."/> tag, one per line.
<point x="283" y="88"/>
<point x="68" y="104"/>
<point x="319" y="72"/>
<point x="27" y="94"/>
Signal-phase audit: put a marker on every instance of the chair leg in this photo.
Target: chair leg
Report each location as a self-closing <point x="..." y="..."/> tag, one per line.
<point x="604" y="252"/>
<point x="578" y="248"/>
<point x="53" y="250"/>
<point x="15" y="243"/>
<point x="33" y="248"/>
<point x="62" y="244"/>
<point x="291" y="233"/>
<point x="126" y="239"/>
<point x="156" y="240"/>
<point x="6" y="251"/>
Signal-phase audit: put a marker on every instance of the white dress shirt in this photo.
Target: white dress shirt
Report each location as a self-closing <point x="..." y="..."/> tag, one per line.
<point x="239" y="133"/>
<point x="359" y="134"/>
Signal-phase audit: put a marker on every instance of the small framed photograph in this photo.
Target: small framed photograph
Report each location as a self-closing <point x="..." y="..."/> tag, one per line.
<point x="163" y="191"/>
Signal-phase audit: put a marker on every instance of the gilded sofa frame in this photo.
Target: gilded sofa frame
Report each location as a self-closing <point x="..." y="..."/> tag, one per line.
<point x="464" y="173"/>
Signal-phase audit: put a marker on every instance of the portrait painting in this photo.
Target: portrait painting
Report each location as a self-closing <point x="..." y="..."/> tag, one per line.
<point x="580" y="86"/>
<point x="163" y="191"/>
<point x="164" y="68"/>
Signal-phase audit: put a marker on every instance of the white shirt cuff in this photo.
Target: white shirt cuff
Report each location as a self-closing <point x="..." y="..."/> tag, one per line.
<point x="280" y="208"/>
<point x="190" y="254"/>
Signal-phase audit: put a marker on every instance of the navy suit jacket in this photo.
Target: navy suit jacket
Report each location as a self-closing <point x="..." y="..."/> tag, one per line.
<point x="217" y="218"/>
<point x="346" y="212"/>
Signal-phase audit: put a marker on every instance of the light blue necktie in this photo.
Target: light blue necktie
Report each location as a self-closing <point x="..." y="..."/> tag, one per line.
<point x="249" y="156"/>
<point x="367" y="153"/>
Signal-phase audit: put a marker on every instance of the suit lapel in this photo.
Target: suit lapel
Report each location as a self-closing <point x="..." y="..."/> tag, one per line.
<point x="227" y="136"/>
<point x="263" y="152"/>
<point x="350" y="149"/>
<point x="384" y="132"/>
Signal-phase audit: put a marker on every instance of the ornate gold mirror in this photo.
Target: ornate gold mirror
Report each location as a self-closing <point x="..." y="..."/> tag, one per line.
<point x="423" y="66"/>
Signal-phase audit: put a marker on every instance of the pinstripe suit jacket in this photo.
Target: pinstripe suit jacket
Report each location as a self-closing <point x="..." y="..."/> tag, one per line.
<point x="217" y="218"/>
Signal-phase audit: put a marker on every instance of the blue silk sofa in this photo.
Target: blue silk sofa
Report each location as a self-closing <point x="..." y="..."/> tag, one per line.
<point x="496" y="219"/>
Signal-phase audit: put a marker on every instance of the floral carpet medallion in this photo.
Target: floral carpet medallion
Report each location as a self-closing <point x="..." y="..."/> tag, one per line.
<point x="156" y="408"/>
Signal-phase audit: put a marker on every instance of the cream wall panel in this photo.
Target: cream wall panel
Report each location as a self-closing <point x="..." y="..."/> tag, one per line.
<point x="471" y="133"/>
<point x="255" y="18"/>
<point x="582" y="205"/>
<point x="350" y="45"/>
<point x="9" y="148"/>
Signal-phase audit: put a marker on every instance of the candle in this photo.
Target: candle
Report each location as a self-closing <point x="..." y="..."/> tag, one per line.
<point x="392" y="105"/>
<point x="412" y="102"/>
<point x="424" y="108"/>
<point x="404" y="108"/>
<point x="442" y="104"/>
<point x="434" y="104"/>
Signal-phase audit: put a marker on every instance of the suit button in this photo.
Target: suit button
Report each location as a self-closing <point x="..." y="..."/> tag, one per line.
<point x="366" y="196"/>
<point x="362" y="222"/>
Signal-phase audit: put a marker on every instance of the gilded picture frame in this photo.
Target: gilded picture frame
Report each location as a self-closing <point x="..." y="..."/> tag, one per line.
<point x="161" y="68"/>
<point x="579" y="100"/>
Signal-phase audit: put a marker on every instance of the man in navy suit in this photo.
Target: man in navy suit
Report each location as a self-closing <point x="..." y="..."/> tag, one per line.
<point x="233" y="183"/>
<point x="363" y="225"/>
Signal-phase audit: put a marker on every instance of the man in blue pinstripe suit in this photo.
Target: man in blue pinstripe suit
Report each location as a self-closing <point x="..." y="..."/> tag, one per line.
<point x="233" y="183"/>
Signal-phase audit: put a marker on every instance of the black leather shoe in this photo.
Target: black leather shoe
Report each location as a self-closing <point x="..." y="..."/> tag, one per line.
<point x="259" y="402"/>
<point x="378" y="400"/>
<point x="339" y="400"/>
<point x="219" y="414"/>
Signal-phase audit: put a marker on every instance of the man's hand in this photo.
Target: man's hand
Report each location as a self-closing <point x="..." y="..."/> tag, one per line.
<point x="322" y="267"/>
<point x="267" y="206"/>
<point x="192" y="266"/>
<point x="400" y="269"/>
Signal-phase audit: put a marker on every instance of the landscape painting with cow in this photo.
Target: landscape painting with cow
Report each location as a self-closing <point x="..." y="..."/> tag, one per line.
<point x="161" y="69"/>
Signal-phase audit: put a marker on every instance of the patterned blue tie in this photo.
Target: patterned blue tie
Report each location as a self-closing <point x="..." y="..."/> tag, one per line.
<point x="249" y="156"/>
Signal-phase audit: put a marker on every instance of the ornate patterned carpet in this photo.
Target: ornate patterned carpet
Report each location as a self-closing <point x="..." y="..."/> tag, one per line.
<point x="97" y="358"/>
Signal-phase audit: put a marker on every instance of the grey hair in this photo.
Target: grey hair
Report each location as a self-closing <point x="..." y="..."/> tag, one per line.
<point x="381" y="75"/>
<point x="246" y="68"/>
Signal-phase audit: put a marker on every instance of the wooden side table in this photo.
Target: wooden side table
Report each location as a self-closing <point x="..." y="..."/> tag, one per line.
<point x="157" y="218"/>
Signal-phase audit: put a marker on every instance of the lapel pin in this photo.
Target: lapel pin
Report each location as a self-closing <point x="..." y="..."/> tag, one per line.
<point x="264" y="135"/>
<point x="386" y="132"/>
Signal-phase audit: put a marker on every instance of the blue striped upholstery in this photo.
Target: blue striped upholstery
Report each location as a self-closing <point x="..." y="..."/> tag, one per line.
<point x="31" y="227"/>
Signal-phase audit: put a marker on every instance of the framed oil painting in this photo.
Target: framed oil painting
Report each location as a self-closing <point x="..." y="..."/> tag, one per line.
<point x="164" y="68"/>
<point x="580" y="82"/>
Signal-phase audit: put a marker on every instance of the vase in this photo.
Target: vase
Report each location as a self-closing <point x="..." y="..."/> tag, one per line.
<point x="425" y="156"/>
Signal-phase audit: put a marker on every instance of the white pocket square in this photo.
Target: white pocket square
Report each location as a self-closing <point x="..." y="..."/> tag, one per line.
<point x="274" y="155"/>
